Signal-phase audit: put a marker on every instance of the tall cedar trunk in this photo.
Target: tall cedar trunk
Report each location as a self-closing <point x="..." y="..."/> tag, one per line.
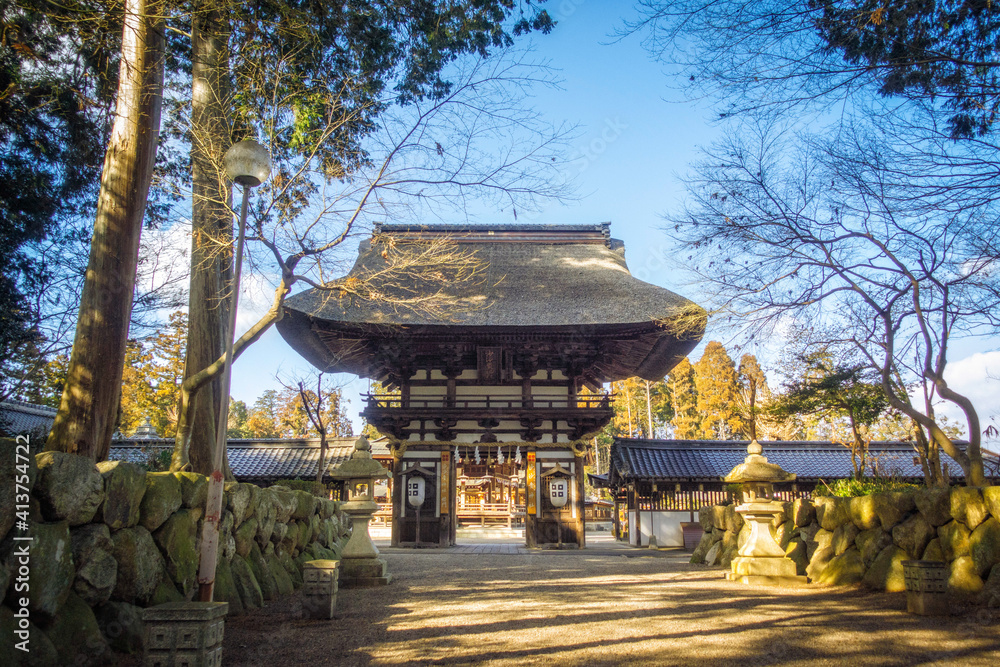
<point x="211" y="238"/>
<point x="86" y="418"/>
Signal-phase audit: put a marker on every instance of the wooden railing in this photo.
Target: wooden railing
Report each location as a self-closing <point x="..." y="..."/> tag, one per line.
<point x="383" y="514"/>
<point x="390" y="401"/>
<point x="492" y="512"/>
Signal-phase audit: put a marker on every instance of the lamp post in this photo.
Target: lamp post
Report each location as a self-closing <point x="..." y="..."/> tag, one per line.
<point x="247" y="163"/>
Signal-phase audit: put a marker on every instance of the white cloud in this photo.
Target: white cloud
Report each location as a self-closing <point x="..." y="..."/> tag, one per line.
<point x="971" y="377"/>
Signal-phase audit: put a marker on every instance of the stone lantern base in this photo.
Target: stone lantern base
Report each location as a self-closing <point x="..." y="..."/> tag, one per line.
<point x="761" y="560"/>
<point x="766" y="571"/>
<point x="363" y="572"/>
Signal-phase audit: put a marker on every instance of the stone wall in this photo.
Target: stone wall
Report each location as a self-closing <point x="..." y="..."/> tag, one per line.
<point x="842" y="541"/>
<point x="111" y="538"/>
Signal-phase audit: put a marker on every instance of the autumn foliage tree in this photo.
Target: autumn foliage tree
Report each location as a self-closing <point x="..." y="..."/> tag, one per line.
<point x="151" y="379"/>
<point x="752" y="396"/>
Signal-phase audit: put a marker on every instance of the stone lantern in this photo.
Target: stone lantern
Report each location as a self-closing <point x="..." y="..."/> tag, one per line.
<point x="360" y="565"/>
<point x="761" y="560"/>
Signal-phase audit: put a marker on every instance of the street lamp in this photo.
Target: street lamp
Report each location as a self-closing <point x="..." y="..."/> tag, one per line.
<point x="248" y="164"/>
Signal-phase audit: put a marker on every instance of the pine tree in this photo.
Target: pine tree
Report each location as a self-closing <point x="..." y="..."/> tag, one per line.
<point x="837" y="392"/>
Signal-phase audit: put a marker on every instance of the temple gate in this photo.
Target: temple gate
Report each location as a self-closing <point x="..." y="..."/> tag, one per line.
<point x="512" y="360"/>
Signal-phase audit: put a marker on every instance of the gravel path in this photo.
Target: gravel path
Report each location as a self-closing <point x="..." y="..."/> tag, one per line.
<point x="601" y="606"/>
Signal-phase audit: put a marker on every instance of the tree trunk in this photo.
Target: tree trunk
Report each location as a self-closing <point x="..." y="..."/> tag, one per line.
<point x="975" y="475"/>
<point x="649" y="412"/>
<point x="628" y="407"/>
<point x="859" y="449"/>
<point x="191" y="386"/>
<point x="322" y="455"/>
<point x="89" y="406"/>
<point x="211" y="233"/>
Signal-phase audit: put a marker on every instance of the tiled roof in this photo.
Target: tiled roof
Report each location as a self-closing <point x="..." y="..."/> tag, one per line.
<point x="380" y="448"/>
<point x="253" y="460"/>
<point x="710" y="460"/>
<point x="17" y="418"/>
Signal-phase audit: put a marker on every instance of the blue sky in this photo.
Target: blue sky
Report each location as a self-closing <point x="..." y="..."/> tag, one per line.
<point x="636" y="137"/>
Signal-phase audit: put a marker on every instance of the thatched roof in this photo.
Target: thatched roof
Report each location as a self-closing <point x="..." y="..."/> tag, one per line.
<point x="558" y="278"/>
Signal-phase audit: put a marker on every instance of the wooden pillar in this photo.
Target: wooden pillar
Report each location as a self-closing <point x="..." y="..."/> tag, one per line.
<point x="616" y="526"/>
<point x="451" y="388"/>
<point x="398" y="499"/>
<point x="581" y="505"/>
<point x="638" y="514"/>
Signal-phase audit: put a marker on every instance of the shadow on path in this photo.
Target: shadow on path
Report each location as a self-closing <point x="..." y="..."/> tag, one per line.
<point x="600" y="608"/>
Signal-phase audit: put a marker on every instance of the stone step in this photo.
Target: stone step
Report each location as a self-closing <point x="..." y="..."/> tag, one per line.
<point x="490" y="532"/>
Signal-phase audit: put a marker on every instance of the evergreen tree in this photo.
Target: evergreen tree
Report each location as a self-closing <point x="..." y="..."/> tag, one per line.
<point x="53" y="112"/>
<point x="642" y="408"/>
<point x="167" y="347"/>
<point x="716" y="382"/>
<point x="684" y="399"/>
<point x="753" y="395"/>
<point x="85" y="421"/>
<point x="138" y="394"/>
<point x="239" y="414"/>
<point x="263" y="421"/>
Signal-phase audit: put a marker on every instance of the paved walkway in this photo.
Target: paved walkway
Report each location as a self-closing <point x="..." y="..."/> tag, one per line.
<point x="596" y="543"/>
<point x="604" y="605"/>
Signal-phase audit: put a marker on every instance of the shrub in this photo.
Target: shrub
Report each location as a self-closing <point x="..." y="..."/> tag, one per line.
<point x="316" y="488"/>
<point x="851" y="488"/>
<point x="157" y="460"/>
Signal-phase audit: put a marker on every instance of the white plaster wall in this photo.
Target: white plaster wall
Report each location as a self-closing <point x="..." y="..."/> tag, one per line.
<point x="549" y="391"/>
<point x="428" y="391"/>
<point x="665" y="525"/>
<point x="487" y="390"/>
<point x="468" y="374"/>
<point x="632" y="533"/>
